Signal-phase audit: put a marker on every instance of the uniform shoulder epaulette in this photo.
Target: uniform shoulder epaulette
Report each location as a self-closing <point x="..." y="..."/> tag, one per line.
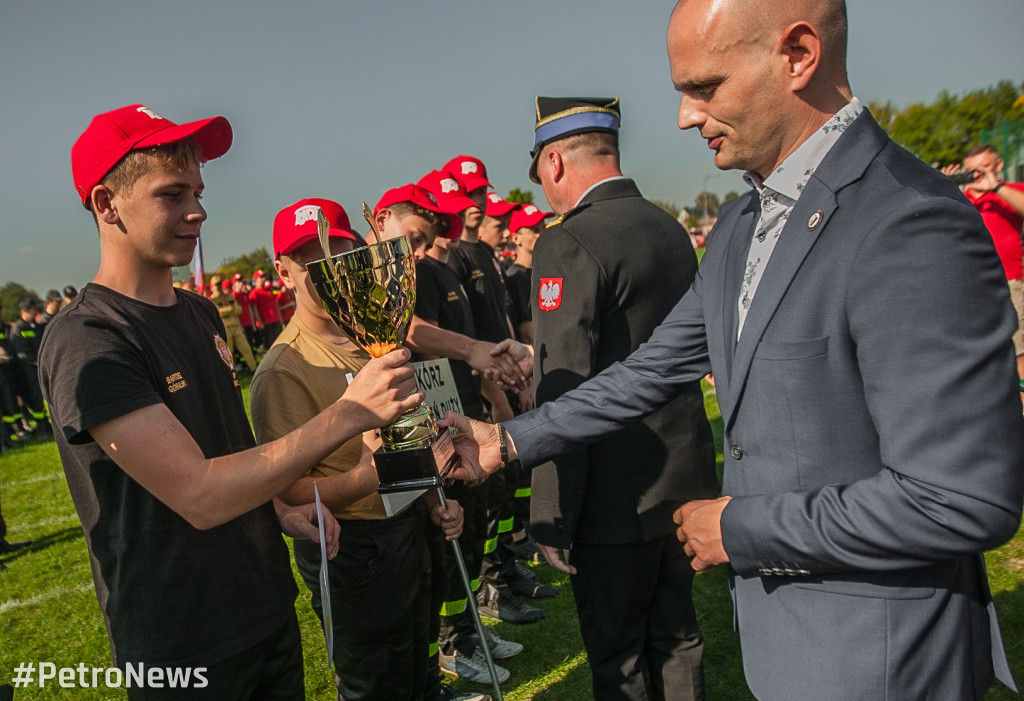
<point x="568" y="215"/>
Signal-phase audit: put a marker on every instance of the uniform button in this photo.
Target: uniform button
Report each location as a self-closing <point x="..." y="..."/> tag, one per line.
<point x="736" y="452"/>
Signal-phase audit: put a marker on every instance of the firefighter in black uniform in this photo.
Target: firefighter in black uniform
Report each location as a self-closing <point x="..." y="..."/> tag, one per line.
<point x="26" y="334"/>
<point x="606" y="272"/>
<point x="11" y="429"/>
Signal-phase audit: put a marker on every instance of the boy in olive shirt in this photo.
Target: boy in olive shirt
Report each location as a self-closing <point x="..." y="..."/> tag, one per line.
<point x="381" y="578"/>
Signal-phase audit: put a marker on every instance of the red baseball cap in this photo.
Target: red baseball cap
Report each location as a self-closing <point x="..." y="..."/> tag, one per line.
<point x="449" y="192"/>
<point x="421" y="197"/>
<point x="236" y="277"/>
<point x="497" y="206"/>
<point x="296" y="225"/>
<point x="469" y="171"/>
<point x="112" y="135"/>
<point x="527" y="215"/>
<point x="258" y="273"/>
<point x="225" y="285"/>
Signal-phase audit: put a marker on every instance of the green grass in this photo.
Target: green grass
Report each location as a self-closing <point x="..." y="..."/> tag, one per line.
<point x="48" y="610"/>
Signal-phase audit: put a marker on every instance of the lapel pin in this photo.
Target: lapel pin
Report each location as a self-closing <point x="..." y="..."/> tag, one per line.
<point x="815" y="219"/>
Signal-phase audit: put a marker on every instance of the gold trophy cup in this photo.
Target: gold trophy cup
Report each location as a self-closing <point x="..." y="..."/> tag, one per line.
<point x="370" y="293"/>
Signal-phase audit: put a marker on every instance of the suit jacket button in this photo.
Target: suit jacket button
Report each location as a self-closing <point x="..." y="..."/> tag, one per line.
<point x="736" y="452"/>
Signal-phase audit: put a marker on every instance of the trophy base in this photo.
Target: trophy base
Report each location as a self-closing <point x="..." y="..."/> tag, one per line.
<point x="416" y="468"/>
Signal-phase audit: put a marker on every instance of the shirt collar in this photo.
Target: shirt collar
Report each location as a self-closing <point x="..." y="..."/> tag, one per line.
<point x="600" y="182"/>
<point x="790" y="178"/>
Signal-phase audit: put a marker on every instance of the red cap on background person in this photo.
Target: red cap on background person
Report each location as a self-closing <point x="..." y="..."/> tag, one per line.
<point x="527" y="215"/>
<point x="469" y="171"/>
<point x="421" y="197"/>
<point x="497" y="206"/>
<point x="296" y="224"/>
<point x="112" y="135"/>
<point x="258" y="273"/>
<point x="449" y="192"/>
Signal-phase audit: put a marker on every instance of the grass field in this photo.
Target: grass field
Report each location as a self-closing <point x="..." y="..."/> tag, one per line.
<point x="48" y="610"/>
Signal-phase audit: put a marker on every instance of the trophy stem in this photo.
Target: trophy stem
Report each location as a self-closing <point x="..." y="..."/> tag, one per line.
<point x="471" y="600"/>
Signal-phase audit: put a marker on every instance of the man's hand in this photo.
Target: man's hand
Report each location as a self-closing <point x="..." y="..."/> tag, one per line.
<point x="382" y="391"/>
<point x="556" y="559"/>
<point x="510" y="366"/>
<point x="476" y="443"/>
<point x="700" y="531"/>
<point x="527" y="398"/>
<point x="300" y="523"/>
<point x="449" y="520"/>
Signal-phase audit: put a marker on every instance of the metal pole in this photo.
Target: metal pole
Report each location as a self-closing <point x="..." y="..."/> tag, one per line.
<point x="471" y="599"/>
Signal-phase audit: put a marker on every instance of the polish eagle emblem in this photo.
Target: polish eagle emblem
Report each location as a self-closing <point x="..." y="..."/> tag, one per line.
<point x="549" y="297"/>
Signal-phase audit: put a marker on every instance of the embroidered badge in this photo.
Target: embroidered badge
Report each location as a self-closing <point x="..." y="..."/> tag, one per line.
<point x="549" y="297"/>
<point x="224" y="351"/>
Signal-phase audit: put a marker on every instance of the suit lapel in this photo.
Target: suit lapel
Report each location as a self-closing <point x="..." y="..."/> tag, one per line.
<point x="843" y="164"/>
<point x="735" y="262"/>
<point x="795" y="242"/>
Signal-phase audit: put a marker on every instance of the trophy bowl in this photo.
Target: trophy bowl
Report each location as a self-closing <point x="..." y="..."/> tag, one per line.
<point x="370" y="294"/>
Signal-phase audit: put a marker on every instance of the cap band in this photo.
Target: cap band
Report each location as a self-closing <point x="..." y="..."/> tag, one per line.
<point x="589" y="119"/>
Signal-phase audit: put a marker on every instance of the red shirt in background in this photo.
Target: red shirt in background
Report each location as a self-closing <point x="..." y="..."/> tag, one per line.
<point x="1004" y="224"/>
<point x="266" y="305"/>
<point x="245" y="318"/>
<point x="286" y="303"/>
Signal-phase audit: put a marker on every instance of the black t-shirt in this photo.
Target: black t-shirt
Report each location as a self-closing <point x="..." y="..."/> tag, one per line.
<point x="474" y="264"/>
<point x="169" y="592"/>
<point x="441" y="298"/>
<point x="517" y="280"/>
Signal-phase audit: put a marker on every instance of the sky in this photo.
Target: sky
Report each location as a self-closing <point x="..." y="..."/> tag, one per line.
<point x="345" y="99"/>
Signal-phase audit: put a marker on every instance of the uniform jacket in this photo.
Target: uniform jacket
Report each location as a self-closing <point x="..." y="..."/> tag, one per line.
<point x="604" y="277"/>
<point x="873" y="436"/>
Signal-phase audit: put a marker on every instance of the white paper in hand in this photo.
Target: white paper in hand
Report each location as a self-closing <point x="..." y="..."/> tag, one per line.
<point x="325" y="585"/>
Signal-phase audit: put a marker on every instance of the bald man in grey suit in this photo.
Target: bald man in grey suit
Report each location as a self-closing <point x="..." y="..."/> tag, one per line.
<point x="852" y="309"/>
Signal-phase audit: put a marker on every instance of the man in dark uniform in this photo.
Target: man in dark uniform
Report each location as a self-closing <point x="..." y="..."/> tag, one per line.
<point x="26" y="334"/>
<point x="606" y="272"/>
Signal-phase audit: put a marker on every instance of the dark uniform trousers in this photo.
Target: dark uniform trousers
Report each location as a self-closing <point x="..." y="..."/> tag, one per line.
<point x="642" y="643"/>
<point x="605" y="275"/>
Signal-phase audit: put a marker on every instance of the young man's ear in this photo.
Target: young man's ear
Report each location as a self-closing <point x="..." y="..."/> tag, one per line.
<point x="102" y="205"/>
<point x="381" y="218"/>
<point x="282" y="272"/>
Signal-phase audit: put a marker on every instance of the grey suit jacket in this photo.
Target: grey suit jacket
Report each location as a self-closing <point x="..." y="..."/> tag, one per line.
<point x="874" y="444"/>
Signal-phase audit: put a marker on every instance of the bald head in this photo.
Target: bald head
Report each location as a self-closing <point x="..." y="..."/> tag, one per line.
<point x="762" y="22"/>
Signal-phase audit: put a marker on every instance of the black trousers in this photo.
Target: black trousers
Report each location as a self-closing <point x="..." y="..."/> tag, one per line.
<point x="638" y="622"/>
<point x="380" y="602"/>
<point x="269" y="671"/>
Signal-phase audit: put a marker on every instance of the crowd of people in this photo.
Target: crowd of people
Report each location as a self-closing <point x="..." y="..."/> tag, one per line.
<point x="851" y="307"/>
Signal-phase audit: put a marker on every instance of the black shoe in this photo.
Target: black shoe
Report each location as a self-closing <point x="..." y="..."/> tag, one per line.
<point x="523" y="582"/>
<point x="6" y="547"/>
<point x="501" y="605"/>
<point x="526" y="549"/>
<point x="450" y="694"/>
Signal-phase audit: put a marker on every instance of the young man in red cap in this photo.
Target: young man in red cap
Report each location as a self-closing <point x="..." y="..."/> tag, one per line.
<point x="525" y="226"/>
<point x="494" y="228"/>
<point x="441" y="303"/>
<point x="380" y="580"/>
<point x="264" y="306"/>
<point x="174" y="497"/>
<point x="240" y="291"/>
<point x="476" y="267"/>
